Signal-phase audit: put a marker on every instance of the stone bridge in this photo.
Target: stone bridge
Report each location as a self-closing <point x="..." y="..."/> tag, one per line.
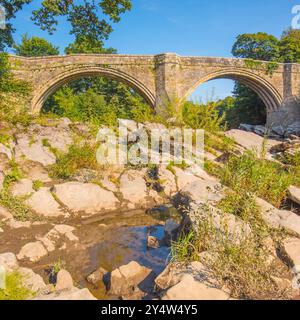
<point x="166" y="76"/>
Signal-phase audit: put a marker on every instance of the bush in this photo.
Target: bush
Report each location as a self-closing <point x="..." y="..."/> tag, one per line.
<point x="200" y="116"/>
<point x="242" y="267"/>
<point x="15" y="290"/>
<point x="77" y="157"/>
<point x="102" y="102"/>
<point x="266" y="179"/>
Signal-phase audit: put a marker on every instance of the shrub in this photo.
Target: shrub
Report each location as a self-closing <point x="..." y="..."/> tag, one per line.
<point x="241" y="267"/>
<point x="202" y="116"/>
<point x="15" y="290"/>
<point x="265" y="179"/>
<point x="77" y="157"/>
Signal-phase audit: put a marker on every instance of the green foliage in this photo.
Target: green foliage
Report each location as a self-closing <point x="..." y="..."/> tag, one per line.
<point x="35" y="47"/>
<point x="16" y="206"/>
<point x="37" y="185"/>
<point x="7" y="82"/>
<point x="87" y="18"/>
<point x="83" y="17"/>
<point x="242" y="204"/>
<point x="200" y="116"/>
<point x="249" y="108"/>
<point x="102" y="103"/>
<point x="97" y="100"/>
<point x="257" y="46"/>
<point x="79" y="156"/>
<point x="290" y="46"/>
<point x="15" y="290"/>
<point x="13" y="175"/>
<point x="183" y="249"/>
<point x="84" y="44"/>
<point x="12" y="93"/>
<point x="240" y="266"/>
<point x="266" y="179"/>
<point x="11" y="8"/>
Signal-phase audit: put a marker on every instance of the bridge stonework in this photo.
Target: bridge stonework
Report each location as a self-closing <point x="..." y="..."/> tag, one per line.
<point x="166" y="76"/>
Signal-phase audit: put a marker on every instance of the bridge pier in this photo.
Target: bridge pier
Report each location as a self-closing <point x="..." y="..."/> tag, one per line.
<point x="167" y="80"/>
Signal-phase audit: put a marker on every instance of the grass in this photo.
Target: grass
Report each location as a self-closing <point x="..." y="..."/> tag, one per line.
<point x="14" y="175"/>
<point x="15" y="205"/>
<point x="242" y="204"/>
<point x="240" y="266"/>
<point x="37" y="185"/>
<point x="78" y="157"/>
<point x="266" y="179"/>
<point x="14" y="289"/>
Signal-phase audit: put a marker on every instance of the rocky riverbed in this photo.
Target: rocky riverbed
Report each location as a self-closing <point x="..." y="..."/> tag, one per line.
<point x="107" y="234"/>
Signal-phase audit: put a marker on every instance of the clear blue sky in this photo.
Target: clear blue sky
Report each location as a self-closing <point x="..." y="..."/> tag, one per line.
<point x="187" y="27"/>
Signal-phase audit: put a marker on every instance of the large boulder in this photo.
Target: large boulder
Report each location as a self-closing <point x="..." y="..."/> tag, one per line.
<point x="196" y="283"/>
<point x="294" y="194"/>
<point x="291" y="251"/>
<point x="43" y="203"/>
<point x="171" y="276"/>
<point x="33" y="150"/>
<point x="5" y="214"/>
<point x="64" y="280"/>
<point x="133" y="188"/>
<point x="125" y="280"/>
<point x="279" y="218"/>
<point x="33" y="251"/>
<point x="167" y="181"/>
<point x="202" y="191"/>
<point x="5" y="150"/>
<point x="9" y="261"/>
<point x="22" y="188"/>
<point x="35" y="171"/>
<point x="86" y="197"/>
<point x="228" y="225"/>
<point x="184" y="178"/>
<point x="33" y="281"/>
<point x="191" y="289"/>
<point x="251" y="141"/>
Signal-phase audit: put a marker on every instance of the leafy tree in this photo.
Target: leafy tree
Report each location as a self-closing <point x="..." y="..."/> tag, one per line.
<point x="249" y="107"/>
<point x="97" y="99"/>
<point x="290" y="46"/>
<point x="84" y="44"/>
<point x="11" y="8"/>
<point x="258" y="46"/>
<point x="202" y="116"/>
<point x="88" y="18"/>
<point x="35" y="47"/>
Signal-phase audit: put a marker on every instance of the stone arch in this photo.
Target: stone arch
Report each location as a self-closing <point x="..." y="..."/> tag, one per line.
<point x="266" y="91"/>
<point x="43" y="92"/>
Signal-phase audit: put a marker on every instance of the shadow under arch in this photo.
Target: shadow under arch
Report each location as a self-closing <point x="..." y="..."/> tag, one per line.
<point x="43" y="93"/>
<point x="265" y="90"/>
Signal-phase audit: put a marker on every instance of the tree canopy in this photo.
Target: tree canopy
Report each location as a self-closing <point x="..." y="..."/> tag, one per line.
<point x="35" y="47"/>
<point x="88" y="18"/>
<point x="260" y="46"/>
